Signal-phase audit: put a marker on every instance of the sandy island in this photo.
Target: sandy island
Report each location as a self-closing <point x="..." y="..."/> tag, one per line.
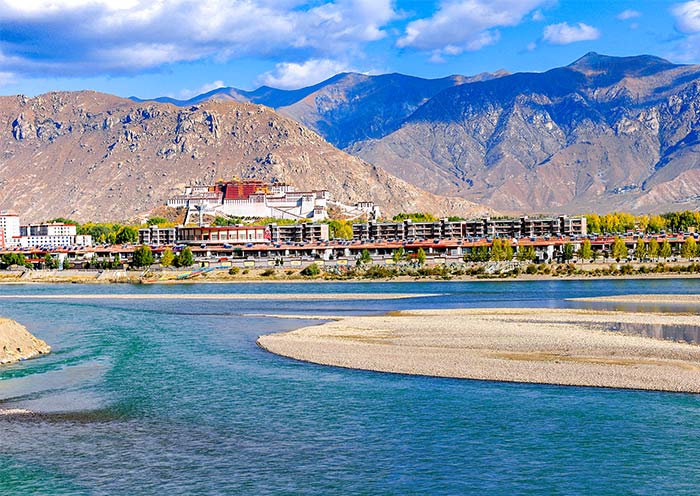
<point x="537" y="345"/>
<point x="221" y="296"/>
<point x="16" y="343"/>
<point x="659" y="299"/>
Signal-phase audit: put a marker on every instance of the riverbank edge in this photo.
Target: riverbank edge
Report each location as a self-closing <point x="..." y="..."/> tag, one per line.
<point x="94" y="278"/>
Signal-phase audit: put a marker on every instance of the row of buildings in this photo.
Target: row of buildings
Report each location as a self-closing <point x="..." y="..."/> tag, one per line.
<point x="486" y="227"/>
<point x="407" y="230"/>
<point x="48" y="235"/>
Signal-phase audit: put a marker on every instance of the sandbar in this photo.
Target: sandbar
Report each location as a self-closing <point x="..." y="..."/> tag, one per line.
<point x="665" y="299"/>
<point x="221" y="296"/>
<point x="16" y="343"/>
<point x="534" y="345"/>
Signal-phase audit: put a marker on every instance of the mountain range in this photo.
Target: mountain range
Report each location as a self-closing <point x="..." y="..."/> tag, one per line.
<point x="93" y="156"/>
<point x="600" y="134"/>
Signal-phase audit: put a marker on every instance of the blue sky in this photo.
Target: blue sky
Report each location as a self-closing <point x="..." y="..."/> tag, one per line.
<point x="180" y="48"/>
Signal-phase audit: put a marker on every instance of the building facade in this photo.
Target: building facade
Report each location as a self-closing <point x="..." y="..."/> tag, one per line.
<point x="157" y="236"/>
<point x="50" y="235"/>
<point x="223" y="235"/>
<point x="253" y="198"/>
<point x="9" y="227"/>
<point x="475" y="228"/>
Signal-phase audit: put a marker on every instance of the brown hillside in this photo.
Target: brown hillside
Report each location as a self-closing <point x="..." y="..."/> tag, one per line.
<point x="94" y="156"/>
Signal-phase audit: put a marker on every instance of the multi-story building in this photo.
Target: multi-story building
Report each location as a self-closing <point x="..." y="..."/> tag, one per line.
<point x="223" y="235"/>
<point x="156" y="236"/>
<point x="51" y="235"/>
<point x="9" y="227"/>
<point x="298" y="233"/>
<point x="475" y="228"/>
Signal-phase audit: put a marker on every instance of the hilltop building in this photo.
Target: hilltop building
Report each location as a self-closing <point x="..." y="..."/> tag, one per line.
<point x="254" y="198"/>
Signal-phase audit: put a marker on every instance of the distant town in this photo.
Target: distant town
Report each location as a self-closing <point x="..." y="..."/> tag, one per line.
<point x="301" y="234"/>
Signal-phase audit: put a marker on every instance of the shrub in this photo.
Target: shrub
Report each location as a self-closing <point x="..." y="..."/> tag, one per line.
<point x="268" y="272"/>
<point x="233" y="271"/>
<point x="311" y="270"/>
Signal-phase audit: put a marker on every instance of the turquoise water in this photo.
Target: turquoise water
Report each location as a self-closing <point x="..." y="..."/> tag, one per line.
<point x="174" y="397"/>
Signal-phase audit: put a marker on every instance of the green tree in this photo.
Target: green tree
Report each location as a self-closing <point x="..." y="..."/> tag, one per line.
<point x="526" y="254"/>
<point x="420" y="256"/>
<point x="593" y="223"/>
<point x="656" y="224"/>
<point x="415" y="217"/>
<point x="653" y="248"/>
<point x="167" y="259"/>
<point x="689" y="248"/>
<point x="586" y="251"/>
<point x="185" y="258"/>
<point x="340" y="229"/>
<point x="496" y="250"/>
<point x="50" y="262"/>
<point x="311" y="270"/>
<point x="365" y="257"/>
<point x="619" y="249"/>
<point x="640" y="251"/>
<point x="126" y="234"/>
<point x="143" y="256"/>
<point x="478" y="254"/>
<point x="158" y="221"/>
<point x="13" y="259"/>
<point x="501" y="250"/>
<point x="397" y="255"/>
<point x="568" y="252"/>
<point x="665" y="249"/>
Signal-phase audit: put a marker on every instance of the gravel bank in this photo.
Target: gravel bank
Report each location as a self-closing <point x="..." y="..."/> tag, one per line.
<point x="566" y="347"/>
<point x="16" y="343"/>
<point x="682" y="299"/>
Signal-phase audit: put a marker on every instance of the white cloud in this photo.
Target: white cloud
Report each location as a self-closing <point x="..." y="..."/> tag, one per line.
<point x="464" y="25"/>
<point x="291" y="75"/>
<point x="628" y="14"/>
<point x="687" y="16"/>
<point x="186" y="94"/>
<point x="563" y="33"/>
<point x="531" y="46"/>
<point x="537" y="16"/>
<point x="87" y="37"/>
<point x="6" y="78"/>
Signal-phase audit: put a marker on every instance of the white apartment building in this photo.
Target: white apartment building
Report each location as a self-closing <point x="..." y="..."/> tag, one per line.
<point x="53" y="235"/>
<point x="9" y="227"/>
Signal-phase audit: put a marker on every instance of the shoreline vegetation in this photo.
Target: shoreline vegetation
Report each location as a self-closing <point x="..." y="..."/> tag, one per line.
<point x="534" y="345"/>
<point x="17" y="343"/>
<point x="374" y="273"/>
